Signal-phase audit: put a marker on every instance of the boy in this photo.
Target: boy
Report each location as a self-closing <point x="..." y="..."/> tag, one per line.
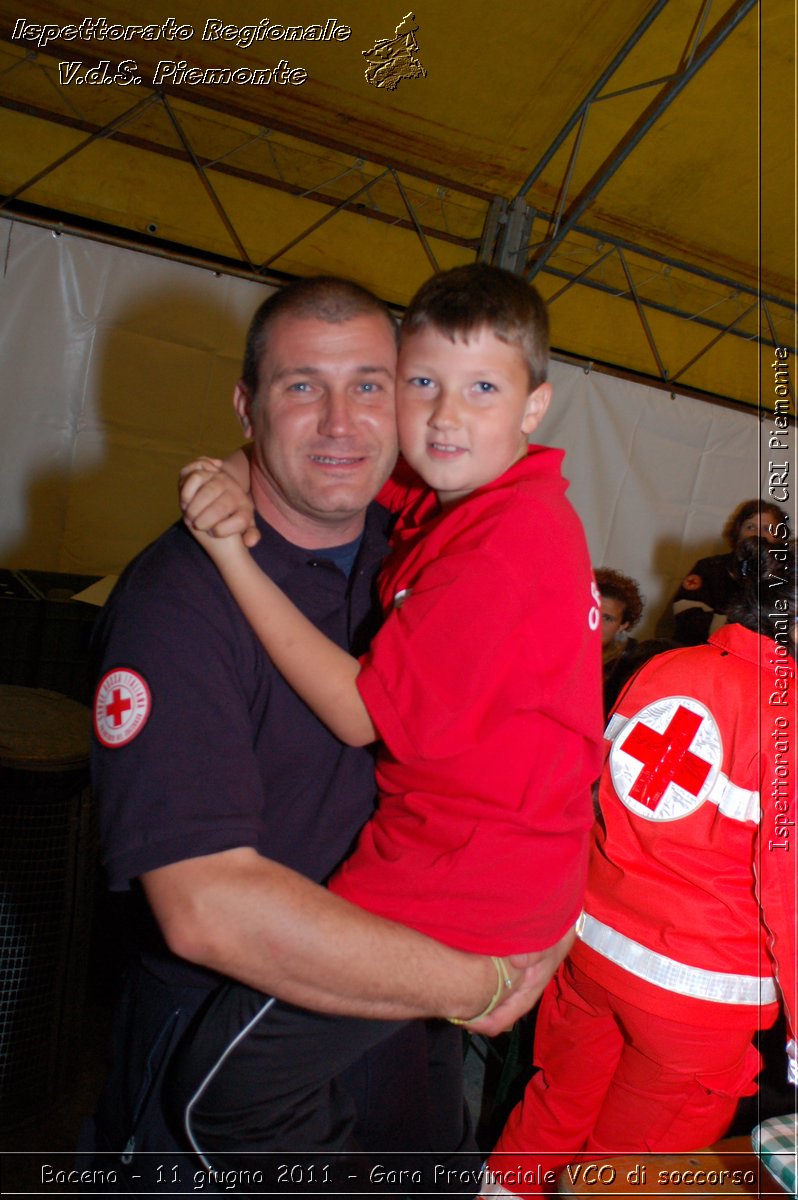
<point x="490" y="724"/>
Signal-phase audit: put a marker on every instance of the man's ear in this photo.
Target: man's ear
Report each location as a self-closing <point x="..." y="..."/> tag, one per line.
<point x="537" y="404"/>
<point x="242" y="403"/>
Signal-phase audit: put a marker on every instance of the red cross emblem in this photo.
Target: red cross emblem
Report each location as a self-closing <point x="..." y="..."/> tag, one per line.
<point x="118" y="707"/>
<point x="122" y="707"/>
<point x="667" y="758"/>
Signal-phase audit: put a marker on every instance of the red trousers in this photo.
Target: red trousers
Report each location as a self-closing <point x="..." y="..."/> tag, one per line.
<point x="614" y="1079"/>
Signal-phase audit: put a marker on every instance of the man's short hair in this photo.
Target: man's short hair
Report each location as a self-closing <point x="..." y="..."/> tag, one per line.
<point x="466" y="299"/>
<point x="322" y="296"/>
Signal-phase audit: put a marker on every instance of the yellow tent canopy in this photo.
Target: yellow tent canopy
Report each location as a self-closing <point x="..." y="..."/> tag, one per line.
<point x="635" y="158"/>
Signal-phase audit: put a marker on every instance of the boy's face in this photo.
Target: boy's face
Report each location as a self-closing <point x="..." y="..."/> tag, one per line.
<point x="612" y="621"/>
<point x="464" y="408"/>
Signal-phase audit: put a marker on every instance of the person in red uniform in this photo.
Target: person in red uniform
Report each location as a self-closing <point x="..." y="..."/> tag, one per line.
<point x="687" y="939"/>
<point x="489" y="730"/>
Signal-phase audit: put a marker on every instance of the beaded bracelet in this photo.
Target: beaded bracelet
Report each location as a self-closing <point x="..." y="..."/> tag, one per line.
<point x="504" y="983"/>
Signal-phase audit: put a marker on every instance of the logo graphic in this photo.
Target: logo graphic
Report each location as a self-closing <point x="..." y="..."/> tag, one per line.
<point x="122" y="706"/>
<point x="390" y="60"/>
<point x="594" y="615"/>
<point x="666" y="759"/>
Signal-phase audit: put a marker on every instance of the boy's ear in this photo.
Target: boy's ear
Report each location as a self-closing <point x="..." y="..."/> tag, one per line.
<point x="242" y="403"/>
<point x="537" y="404"/>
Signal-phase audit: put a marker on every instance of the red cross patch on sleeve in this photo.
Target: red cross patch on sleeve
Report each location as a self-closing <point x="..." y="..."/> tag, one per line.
<point x="122" y="705"/>
<point x="692" y="583"/>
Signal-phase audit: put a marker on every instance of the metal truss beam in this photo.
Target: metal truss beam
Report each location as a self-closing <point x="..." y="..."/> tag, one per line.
<point x="217" y="165"/>
<point x="610" y="239"/>
<point x="65" y="223"/>
<point x="514" y="237"/>
<point x="98" y="134"/>
<point x="213" y="102"/>
<point x="496" y="216"/>
<point x="641" y="314"/>
<point x="317" y="224"/>
<point x="606" y="289"/>
<point x="635" y="135"/>
<point x="579" y="112"/>
<point x="682" y="370"/>
<point x="419" y="231"/>
<point x="221" y="211"/>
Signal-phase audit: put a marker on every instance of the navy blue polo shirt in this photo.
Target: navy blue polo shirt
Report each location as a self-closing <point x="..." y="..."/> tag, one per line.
<point x="224" y="753"/>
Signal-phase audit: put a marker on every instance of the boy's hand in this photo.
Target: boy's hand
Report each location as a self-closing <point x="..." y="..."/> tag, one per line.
<point x="227" y="552"/>
<point x="213" y="503"/>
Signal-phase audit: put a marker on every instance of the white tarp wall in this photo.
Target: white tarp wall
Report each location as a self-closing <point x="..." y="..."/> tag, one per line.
<point x="118" y="367"/>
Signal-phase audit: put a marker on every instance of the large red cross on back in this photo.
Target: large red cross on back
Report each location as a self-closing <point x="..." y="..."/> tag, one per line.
<point x="666" y="758"/>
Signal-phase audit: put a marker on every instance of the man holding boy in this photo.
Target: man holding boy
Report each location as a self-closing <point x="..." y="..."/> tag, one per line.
<point x="489" y="733"/>
<point x="224" y="803"/>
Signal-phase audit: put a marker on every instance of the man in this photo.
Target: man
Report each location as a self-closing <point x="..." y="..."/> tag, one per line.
<point x="224" y="803"/>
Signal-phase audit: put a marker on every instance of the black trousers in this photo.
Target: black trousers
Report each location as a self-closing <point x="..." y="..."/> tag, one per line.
<point x="406" y="1093"/>
<point x="260" y="1086"/>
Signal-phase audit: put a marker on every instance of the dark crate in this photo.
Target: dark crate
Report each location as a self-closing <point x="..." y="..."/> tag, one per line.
<point x="47" y="871"/>
<point x="63" y="661"/>
<point x="45" y="639"/>
<point x="21" y="620"/>
<point x="56" y="585"/>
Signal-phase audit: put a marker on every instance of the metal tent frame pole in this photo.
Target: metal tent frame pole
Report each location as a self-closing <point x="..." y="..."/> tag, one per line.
<point x="656" y="108"/>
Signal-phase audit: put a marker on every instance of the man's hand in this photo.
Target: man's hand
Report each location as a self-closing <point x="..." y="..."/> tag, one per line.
<point x="257" y="921"/>
<point x="535" y="971"/>
<point x="213" y="502"/>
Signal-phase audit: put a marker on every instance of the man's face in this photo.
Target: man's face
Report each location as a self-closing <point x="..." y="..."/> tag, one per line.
<point x="612" y="621"/>
<point x="323" y="423"/>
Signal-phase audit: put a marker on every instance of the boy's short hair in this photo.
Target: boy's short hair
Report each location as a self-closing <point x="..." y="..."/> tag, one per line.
<point x="326" y="297"/>
<point x="466" y="299"/>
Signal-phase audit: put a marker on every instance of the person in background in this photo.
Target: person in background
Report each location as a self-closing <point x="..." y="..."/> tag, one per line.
<point x="711" y="585"/>
<point x="621" y="609"/>
<point x="688" y="936"/>
<point x="621" y="655"/>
